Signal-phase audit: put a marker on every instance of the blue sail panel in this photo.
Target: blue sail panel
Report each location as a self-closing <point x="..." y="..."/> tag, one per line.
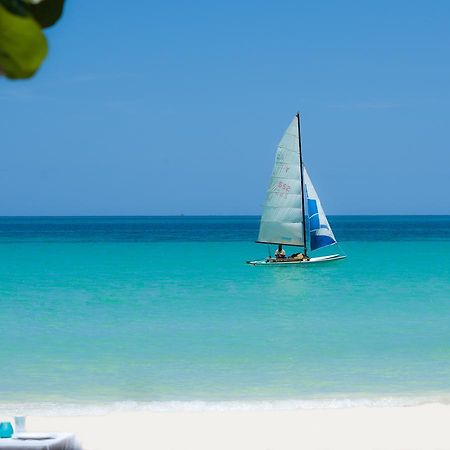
<point x="312" y="207"/>
<point x="314" y="222"/>
<point x="320" y="240"/>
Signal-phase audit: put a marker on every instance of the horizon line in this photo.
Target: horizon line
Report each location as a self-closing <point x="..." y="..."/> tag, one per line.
<point x="204" y="215"/>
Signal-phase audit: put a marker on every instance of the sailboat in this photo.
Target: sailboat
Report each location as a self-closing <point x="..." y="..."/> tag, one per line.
<point x="293" y="214"/>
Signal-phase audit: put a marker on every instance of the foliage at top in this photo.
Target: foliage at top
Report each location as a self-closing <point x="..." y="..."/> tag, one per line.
<point x="23" y="45"/>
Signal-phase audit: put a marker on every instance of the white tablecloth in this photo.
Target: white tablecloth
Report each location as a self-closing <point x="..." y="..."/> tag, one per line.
<point x="61" y="441"/>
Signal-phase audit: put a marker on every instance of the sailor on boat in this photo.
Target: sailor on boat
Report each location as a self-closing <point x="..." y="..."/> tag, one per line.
<point x="280" y="253"/>
<point x="299" y="257"/>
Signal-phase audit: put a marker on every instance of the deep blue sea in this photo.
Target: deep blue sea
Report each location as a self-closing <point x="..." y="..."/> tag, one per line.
<point x="164" y="311"/>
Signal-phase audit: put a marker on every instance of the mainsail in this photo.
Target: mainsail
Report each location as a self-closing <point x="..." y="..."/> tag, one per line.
<point x="282" y="221"/>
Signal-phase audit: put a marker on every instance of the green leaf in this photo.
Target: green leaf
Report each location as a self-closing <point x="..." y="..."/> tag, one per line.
<point x="22" y="45"/>
<point x="46" y="12"/>
<point x="15" y="6"/>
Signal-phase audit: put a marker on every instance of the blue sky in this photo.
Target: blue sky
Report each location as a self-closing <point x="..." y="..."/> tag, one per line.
<point x="177" y="107"/>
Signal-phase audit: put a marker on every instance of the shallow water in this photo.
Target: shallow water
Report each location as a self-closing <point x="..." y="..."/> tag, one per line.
<point x="100" y="310"/>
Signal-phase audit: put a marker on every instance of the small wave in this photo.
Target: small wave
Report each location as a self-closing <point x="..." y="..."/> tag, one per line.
<point x="85" y="409"/>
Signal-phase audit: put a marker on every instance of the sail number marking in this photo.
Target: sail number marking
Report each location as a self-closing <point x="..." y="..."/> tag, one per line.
<point x="284" y="186"/>
<point x="282" y="189"/>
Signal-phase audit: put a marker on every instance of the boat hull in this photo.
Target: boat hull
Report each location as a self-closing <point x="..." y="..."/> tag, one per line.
<point x="288" y="261"/>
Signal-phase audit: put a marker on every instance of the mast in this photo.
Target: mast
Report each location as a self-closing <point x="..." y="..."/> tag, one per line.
<point x="302" y="183"/>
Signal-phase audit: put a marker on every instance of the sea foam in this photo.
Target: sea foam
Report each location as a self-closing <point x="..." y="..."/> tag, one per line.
<point x="82" y="409"/>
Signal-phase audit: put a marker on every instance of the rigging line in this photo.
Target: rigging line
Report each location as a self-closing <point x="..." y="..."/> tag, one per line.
<point x="340" y="249"/>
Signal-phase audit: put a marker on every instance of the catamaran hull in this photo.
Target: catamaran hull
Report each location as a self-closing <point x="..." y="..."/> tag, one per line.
<point x="273" y="262"/>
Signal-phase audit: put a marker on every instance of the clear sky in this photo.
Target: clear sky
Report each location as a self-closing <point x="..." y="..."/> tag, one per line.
<point x="176" y="107"/>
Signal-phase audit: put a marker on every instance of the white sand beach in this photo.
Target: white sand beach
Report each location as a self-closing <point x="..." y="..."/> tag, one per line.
<point x="393" y="428"/>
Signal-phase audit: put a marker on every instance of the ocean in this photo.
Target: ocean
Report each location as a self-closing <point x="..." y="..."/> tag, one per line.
<point x="163" y="312"/>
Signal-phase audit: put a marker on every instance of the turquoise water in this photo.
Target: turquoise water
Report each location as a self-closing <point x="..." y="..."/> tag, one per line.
<point x="98" y="310"/>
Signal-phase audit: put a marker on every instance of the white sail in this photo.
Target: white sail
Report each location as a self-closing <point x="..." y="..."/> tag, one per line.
<point x="282" y="221"/>
<point x="320" y="233"/>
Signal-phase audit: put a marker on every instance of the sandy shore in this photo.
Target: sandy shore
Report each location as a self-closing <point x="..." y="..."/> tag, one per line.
<point x="395" y="428"/>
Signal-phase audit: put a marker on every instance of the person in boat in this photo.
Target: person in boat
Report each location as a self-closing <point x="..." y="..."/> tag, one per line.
<point x="299" y="257"/>
<point x="279" y="252"/>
